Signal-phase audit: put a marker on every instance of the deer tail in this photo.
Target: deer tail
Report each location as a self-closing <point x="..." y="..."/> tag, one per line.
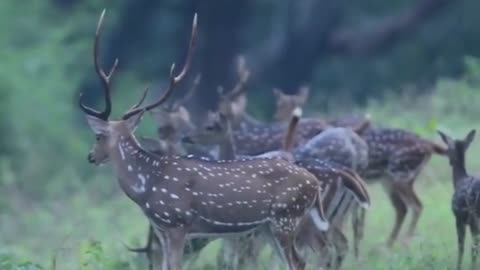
<point x="318" y="214"/>
<point x="364" y="125"/>
<point x="292" y="126"/>
<point x="438" y="148"/>
<point x="353" y="182"/>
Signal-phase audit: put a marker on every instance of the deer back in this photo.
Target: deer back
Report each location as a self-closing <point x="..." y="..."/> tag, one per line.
<point x="339" y="145"/>
<point x="395" y="151"/>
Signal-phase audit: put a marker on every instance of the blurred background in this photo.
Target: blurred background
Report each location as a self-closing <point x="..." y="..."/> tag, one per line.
<point x="409" y="63"/>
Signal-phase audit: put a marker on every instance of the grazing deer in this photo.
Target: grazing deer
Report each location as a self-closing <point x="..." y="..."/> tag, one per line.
<point x="466" y="196"/>
<point x="341" y="185"/>
<point x="188" y="198"/>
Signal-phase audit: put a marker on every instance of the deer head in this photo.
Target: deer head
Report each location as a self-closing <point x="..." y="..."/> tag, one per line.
<point x="233" y="103"/>
<point x="108" y="132"/>
<point x="285" y="104"/>
<point x="456" y="149"/>
<point x="174" y="120"/>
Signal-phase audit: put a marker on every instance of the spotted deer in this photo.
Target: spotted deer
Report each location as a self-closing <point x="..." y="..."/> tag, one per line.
<point x="217" y="132"/>
<point x="339" y="183"/>
<point x="340" y="148"/>
<point x="172" y="121"/>
<point x="397" y="156"/>
<point x="253" y="137"/>
<point x="466" y="196"/>
<point x="187" y="197"/>
<point x="286" y="103"/>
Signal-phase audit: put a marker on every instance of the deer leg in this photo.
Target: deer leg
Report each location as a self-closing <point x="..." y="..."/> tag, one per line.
<point x="175" y="239"/>
<point x="249" y="250"/>
<point x="461" y="225"/>
<point x="474" y="229"/>
<point x="148" y="248"/>
<point x="284" y="242"/>
<point x="164" y="246"/>
<point x="358" y="223"/>
<point x="341" y="247"/>
<point x="417" y="208"/>
<point x="228" y="255"/>
<point x="401" y="212"/>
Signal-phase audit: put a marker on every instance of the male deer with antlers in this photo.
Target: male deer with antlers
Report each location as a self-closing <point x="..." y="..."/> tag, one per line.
<point x="187" y="197"/>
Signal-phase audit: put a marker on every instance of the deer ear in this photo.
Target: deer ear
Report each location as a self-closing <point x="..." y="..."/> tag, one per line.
<point x="277" y="93"/>
<point x="470" y="136"/>
<point x="445" y="138"/>
<point x="99" y="126"/>
<point x="303" y="94"/>
<point x="133" y="121"/>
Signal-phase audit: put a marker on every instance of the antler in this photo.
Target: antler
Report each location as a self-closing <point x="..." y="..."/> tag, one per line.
<point x="243" y="75"/>
<point x="189" y="94"/>
<point x="106" y="79"/>
<point x="174" y="80"/>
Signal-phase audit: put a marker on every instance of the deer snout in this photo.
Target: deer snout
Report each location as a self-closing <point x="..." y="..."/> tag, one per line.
<point x="188" y="140"/>
<point x="90" y="158"/>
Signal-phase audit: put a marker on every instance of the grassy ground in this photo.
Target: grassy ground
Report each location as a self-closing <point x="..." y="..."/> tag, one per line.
<point x="82" y="233"/>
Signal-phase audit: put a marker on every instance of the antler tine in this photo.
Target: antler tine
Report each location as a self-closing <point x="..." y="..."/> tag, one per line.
<point x="106" y="79"/>
<point x="174" y="80"/>
<point x="243" y="75"/>
<point x="189" y="94"/>
<point x="142" y="99"/>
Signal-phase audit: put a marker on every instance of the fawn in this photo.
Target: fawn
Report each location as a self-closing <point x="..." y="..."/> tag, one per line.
<point x="466" y="195"/>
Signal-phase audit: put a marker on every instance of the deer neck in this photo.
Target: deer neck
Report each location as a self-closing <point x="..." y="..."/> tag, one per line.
<point x="458" y="168"/>
<point x="227" y="148"/>
<point x="133" y="165"/>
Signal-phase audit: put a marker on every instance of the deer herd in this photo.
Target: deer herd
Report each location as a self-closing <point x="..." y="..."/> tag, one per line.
<point x="291" y="183"/>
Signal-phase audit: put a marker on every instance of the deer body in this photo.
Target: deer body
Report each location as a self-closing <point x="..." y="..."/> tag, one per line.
<point x="340" y="189"/>
<point x="466" y="196"/>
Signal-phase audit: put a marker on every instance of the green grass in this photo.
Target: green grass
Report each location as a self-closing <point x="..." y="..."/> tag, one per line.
<point x="84" y="232"/>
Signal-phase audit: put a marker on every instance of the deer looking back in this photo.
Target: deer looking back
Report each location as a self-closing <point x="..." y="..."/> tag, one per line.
<point x="466" y="196"/>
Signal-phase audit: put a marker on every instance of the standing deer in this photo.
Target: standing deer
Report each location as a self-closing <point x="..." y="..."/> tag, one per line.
<point x="188" y="197"/>
<point x="340" y="148"/>
<point x="285" y="104"/>
<point x="341" y="185"/>
<point x="397" y="156"/>
<point x="466" y="196"/>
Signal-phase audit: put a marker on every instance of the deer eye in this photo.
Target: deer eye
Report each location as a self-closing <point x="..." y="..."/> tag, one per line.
<point x="98" y="137"/>
<point x="210" y="128"/>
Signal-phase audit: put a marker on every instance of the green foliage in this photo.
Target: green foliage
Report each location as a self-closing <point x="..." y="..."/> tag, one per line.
<point x="52" y="201"/>
<point x="9" y="262"/>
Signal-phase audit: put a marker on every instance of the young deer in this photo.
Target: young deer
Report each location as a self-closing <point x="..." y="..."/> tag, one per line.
<point x="466" y="196"/>
<point x="398" y="156"/>
<point x="188" y="197"/>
